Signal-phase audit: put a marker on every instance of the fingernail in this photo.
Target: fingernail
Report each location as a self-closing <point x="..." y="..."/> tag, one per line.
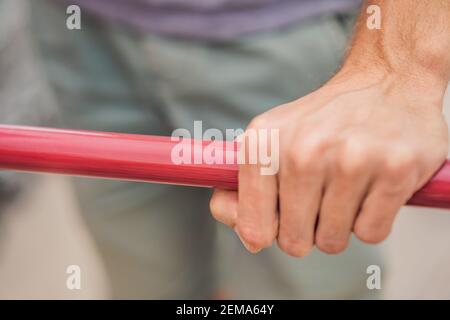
<point x="246" y="245"/>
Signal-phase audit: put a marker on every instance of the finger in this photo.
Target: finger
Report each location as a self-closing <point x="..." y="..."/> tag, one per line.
<point x="301" y="184"/>
<point x="341" y="201"/>
<point x="343" y="196"/>
<point x="390" y="191"/>
<point x="224" y="206"/>
<point x="257" y="222"/>
<point x="378" y="212"/>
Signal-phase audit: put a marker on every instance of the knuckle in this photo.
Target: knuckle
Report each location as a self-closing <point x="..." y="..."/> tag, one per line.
<point x="352" y="158"/>
<point x="305" y="155"/>
<point x="254" y="238"/>
<point x="398" y="174"/>
<point x="295" y="248"/>
<point x="372" y="233"/>
<point x="331" y="245"/>
<point x="261" y="121"/>
<point x="399" y="163"/>
<point x="214" y="206"/>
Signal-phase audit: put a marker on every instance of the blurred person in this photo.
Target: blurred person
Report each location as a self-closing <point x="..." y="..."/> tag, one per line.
<point x="24" y="98"/>
<point x="151" y="66"/>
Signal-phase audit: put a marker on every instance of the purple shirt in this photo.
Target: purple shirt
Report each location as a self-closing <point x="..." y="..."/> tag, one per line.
<point x="212" y="19"/>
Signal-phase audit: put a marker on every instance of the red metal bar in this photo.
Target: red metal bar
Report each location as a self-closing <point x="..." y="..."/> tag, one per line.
<point x="145" y="158"/>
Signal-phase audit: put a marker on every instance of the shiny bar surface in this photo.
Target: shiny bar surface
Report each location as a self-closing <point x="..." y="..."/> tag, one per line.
<point x="146" y="158"/>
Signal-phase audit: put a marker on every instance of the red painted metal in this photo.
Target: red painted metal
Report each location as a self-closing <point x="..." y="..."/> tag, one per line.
<point x="108" y="155"/>
<point x="145" y="158"/>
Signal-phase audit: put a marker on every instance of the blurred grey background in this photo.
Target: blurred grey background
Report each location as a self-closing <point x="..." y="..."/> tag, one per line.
<point x="41" y="232"/>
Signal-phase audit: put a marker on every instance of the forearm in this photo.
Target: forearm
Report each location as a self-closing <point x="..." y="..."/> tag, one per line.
<point x="412" y="43"/>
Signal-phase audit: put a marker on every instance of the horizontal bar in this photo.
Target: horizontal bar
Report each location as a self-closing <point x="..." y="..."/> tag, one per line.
<point x="146" y="158"/>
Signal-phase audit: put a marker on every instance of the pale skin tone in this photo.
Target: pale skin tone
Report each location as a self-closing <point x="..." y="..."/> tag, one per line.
<point x="354" y="151"/>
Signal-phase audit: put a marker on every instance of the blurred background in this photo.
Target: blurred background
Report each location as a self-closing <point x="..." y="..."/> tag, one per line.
<point x="41" y="231"/>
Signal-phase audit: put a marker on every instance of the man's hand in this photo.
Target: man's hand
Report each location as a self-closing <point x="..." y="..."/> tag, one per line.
<point x="353" y="152"/>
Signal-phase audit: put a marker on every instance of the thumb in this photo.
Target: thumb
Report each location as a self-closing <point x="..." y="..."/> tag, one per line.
<point x="224" y="206"/>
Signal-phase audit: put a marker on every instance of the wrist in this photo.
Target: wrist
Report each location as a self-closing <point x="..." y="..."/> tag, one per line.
<point x="426" y="89"/>
<point x="410" y="53"/>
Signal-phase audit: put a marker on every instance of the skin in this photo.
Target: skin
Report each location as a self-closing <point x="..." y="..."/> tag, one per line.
<point x="354" y="151"/>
